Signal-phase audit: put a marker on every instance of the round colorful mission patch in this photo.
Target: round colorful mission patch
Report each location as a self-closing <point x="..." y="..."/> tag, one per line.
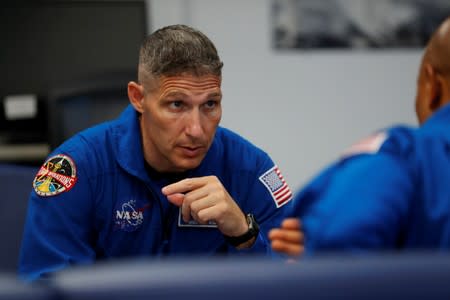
<point x="58" y="174"/>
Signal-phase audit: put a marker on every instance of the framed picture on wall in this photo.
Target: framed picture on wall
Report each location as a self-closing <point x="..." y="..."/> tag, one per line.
<point x="355" y="24"/>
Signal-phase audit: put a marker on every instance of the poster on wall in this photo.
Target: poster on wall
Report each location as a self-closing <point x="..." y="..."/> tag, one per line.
<point x="355" y="24"/>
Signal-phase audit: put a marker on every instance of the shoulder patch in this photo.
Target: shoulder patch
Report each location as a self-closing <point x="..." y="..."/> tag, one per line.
<point x="367" y="145"/>
<point x="277" y="186"/>
<point x="58" y="174"/>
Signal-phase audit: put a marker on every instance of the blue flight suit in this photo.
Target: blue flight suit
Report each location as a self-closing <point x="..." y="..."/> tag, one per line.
<point x="95" y="198"/>
<point x="390" y="191"/>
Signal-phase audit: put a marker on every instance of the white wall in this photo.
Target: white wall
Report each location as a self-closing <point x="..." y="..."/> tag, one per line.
<point x="302" y="108"/>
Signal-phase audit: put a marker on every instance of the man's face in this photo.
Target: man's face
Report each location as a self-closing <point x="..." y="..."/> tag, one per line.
<point x="179" y="120"/>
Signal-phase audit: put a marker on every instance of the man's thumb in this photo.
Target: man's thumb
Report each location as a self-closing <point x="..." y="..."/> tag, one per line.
<point x="176" y="199"/>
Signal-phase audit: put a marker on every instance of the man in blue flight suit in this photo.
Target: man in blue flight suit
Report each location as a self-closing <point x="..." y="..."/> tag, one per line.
<point x="389" y="191"/>
<point x="162" y="179"/>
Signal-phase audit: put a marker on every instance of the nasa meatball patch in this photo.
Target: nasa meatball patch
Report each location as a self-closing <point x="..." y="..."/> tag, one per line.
<point x="57" y="175"/>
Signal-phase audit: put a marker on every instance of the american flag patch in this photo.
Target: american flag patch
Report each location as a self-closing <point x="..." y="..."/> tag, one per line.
<point x="278" y="188"/>
<point x="368" y="145"/>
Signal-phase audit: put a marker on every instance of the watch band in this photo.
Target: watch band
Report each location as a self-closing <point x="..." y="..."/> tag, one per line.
<point x="253" y="231"/>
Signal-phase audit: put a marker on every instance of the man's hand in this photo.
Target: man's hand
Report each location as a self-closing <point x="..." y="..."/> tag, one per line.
<point x="206" y="199"/>
<point x="288" y="239"/>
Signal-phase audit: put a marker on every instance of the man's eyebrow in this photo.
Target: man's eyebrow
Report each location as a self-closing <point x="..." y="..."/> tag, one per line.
<point x="174" y="94"/>
<point x="215" y="94"/>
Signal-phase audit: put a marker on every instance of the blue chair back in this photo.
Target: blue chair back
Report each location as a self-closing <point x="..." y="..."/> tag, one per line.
<point x="15" y="185"/>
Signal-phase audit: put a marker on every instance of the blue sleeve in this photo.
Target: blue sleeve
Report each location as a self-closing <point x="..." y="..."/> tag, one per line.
<point x="358" y="204"/>
<point x="58" y="229"/>
<point x="270" y="204"/>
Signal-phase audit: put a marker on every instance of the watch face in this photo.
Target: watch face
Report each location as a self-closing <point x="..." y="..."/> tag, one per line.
<point x="253" y="231"/>
<point x="252" y="224"/>
<point x="249" y="221"/>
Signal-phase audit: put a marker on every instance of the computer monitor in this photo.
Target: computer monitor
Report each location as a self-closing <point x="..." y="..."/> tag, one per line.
<point x="46" y="44"/>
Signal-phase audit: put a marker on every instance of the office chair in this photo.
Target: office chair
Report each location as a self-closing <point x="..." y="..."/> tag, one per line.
<point x="15" y="184"/>
<point x="80" y="104"/>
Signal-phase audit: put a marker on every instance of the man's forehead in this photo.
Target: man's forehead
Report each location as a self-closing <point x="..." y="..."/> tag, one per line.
<point x="190" y="82"/>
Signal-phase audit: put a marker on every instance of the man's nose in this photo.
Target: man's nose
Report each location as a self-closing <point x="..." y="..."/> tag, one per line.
<point x="194" y="124"/>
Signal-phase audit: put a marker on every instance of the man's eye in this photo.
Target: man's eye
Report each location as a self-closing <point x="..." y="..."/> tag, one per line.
<point x="176" y="104"/>
<point x="211" y="104"/>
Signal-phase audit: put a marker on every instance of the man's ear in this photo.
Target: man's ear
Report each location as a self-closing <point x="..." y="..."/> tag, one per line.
<point x="136" y="95"/>
<point x="435" y="82"/>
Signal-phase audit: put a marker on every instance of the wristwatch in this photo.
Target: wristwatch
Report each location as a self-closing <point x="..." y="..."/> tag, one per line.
<point x="253" y="231"/>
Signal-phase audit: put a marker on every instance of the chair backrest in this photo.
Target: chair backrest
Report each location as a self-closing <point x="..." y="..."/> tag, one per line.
<point x="422" y="276"/>
<point x="84" y="103"/>
<point x="15" y="184"/>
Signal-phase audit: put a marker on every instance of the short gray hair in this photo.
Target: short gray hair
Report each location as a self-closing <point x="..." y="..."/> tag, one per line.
<point x="177" y="49"/>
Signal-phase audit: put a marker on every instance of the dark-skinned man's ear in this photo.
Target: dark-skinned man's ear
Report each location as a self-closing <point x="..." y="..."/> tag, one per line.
<point x="435" y="81"/>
